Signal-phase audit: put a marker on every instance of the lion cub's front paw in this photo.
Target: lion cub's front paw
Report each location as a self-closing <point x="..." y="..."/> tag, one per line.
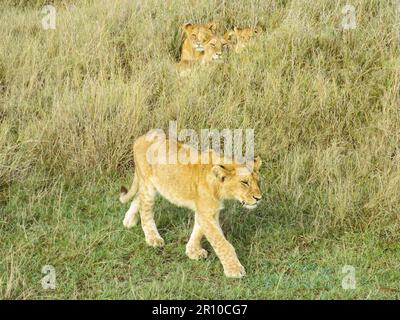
<point x="155" y="241"/>
<point x="234" y="271"/>
<point x="130" y="222"/>
<point x="196" y="254"/>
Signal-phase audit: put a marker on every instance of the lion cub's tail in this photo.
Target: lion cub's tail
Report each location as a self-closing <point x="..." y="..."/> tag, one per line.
<point x="126" y="195"/>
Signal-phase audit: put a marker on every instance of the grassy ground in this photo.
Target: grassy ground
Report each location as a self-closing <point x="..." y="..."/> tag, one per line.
<point x="324" y="105"/>
<point x="78" y="230"/>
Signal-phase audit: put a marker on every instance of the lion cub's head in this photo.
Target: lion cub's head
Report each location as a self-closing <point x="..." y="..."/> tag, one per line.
<point x="199" y="34"/>
<point x="239" y="38"/>
<point x="240" y="182"/>
<point x="214" y="49"/>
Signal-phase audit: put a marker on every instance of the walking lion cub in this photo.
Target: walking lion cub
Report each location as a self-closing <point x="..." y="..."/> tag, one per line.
<point x="201" y="184"/>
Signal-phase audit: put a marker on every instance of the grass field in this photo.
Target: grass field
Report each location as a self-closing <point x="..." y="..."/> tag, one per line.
<point x="324" y="104"/>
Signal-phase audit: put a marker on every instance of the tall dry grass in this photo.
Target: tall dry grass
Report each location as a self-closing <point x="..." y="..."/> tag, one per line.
<point x="324" y="102"/>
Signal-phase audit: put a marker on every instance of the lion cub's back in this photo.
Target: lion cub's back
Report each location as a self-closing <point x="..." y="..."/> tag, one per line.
<point x="175" y="181"/>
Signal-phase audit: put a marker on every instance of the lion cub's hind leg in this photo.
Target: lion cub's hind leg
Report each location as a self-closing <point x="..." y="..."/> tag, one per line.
<point x="132" y="216"/>
<point x="147" y="196"/>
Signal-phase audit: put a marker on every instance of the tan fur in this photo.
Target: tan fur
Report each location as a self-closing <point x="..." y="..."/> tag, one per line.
<point x="213" y="52"/>
<point x="185" y="67"/>
<point x="197" y="35"/>
<point x="198" y="186"/>
<point x="193" y="48"/>
<point x="238" y="39"/>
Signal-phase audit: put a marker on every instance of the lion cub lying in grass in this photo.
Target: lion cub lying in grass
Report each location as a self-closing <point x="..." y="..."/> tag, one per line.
<point x="201" y="46"/>
<point x="197" y="35"/>
<point x="197" y="186"/>
<point x="238" y="39"/>
<point x="213" y="52"/>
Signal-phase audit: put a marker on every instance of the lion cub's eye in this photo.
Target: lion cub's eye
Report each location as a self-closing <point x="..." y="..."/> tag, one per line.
<point x="193" y="36"/>
<point x="245" y="183"/>
<point x="212" y="44"/>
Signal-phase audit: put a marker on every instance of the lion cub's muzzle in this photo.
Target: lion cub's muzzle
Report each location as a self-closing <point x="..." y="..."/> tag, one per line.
<point x="217" y="57"/>
<point x="253" y="205"/>
<point x="199" y="47"/>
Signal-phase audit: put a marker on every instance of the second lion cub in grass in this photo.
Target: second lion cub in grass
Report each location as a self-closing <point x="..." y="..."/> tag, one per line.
<point x="201" y="185"/>
<point x="239" y="38"/>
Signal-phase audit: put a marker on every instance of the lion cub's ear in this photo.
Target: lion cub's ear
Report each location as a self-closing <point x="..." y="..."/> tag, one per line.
<point x="257" y="30"/>
<point x="257" y="163"/>
<point x="254" y="164"/>
<point x="212" y="26"/>
<point x="187" y="27"/>
<point x="220" y="172"/>
<point x="236" y="30"/>
<point x="230" y="36"/>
